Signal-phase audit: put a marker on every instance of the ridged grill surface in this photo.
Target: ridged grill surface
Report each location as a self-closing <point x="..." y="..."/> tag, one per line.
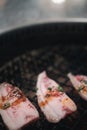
<point x="57" y="61"/>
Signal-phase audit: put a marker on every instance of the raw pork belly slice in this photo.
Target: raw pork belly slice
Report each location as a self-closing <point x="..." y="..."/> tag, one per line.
<point x="54" y="103"/>
<point x="15" y="109"/>
<point x="80" y="84"/>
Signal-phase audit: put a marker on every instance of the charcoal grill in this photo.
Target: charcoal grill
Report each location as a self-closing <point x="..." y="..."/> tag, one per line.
<point x="26" y="52"/>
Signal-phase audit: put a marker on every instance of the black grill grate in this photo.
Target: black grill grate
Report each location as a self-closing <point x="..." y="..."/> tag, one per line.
<point x="57" y="61"/>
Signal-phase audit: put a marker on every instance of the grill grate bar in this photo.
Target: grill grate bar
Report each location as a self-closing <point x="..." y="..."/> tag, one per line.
<point x="57" y="61"/>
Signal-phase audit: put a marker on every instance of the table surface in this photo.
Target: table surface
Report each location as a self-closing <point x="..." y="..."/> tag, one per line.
<point x="19" y="13"/>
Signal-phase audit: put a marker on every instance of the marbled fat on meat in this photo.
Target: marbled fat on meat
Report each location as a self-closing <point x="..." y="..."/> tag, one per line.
<point x="15" y="109"/>
<point x="79" y="82"/>
<point x="52" y="100"/>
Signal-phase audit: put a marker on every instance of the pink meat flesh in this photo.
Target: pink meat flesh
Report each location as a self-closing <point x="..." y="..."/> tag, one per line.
<point x="54" y="103"/>
<point x="15" y="109"/>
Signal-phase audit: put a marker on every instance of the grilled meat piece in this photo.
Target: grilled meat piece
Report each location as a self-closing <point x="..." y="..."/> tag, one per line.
<point x="15" y="109"/>
<point x="80" y="84"/>
<point x="52" y="100"/>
